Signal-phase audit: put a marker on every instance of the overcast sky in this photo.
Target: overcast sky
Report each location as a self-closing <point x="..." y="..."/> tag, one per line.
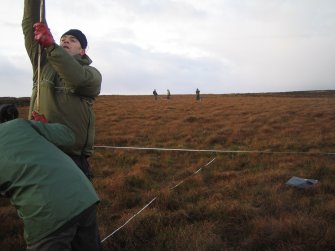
<point x="218" y="46"/>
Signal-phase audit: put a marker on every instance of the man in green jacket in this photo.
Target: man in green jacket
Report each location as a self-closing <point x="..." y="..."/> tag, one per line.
<point x="53" y="197"/>
<point x="68" y="85"/>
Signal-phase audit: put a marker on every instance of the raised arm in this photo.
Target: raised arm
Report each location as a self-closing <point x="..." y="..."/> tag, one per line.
<point x="31" y="15"/>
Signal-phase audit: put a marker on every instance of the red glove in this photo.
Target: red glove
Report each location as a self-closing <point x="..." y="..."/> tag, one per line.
<point x="38" y="117"/>
<point x="43" y="35"/>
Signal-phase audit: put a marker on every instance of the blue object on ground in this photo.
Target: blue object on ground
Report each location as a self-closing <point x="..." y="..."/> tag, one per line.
<point x="301" y="182"/>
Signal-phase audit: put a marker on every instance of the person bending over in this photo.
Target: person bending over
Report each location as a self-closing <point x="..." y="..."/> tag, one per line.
<point x="55" y="200"/>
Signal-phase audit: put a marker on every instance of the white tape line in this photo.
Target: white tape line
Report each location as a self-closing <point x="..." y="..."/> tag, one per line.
<point x="210" y="162"/>
<point x="213" y="151"/>
<point x="119" y="228"/>
<point x="181" y="182"/>
<point x="116" y="230"/>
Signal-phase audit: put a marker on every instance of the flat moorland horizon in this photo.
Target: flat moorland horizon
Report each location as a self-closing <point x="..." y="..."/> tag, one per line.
<point x="233" y="196"/>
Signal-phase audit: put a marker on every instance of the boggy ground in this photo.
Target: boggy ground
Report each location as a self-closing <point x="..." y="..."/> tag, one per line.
<point x="237" y="202"/>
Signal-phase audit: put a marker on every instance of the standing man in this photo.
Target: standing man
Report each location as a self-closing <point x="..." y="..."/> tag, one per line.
<point x="68" y="84"/>
<point x="155" y="94"/>
<point x="197" y="94"/>
<point x="55" y="200"/>
<point x="168" y="94"/>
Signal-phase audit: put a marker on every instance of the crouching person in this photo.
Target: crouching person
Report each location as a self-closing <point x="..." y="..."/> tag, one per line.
<point x="54" y="198"/>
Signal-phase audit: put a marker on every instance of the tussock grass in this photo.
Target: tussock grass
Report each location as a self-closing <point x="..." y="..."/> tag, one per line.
<point x="239" y="202"/>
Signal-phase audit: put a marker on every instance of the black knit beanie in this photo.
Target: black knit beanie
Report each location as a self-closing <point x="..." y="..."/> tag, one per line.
<point x="78" y="35"/>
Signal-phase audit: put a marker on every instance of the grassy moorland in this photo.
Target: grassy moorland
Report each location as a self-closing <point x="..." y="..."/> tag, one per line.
<point x="239" y="201"/>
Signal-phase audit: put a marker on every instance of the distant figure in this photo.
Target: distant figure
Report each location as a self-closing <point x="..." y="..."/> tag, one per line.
<point x="155" y="94"/>
<point x="168" y="95"/>
<point x="197" y="97"/>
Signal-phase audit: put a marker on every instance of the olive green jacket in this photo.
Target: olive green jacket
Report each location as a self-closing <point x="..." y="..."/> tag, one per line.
<point x="68" y="85"/>
<point x="44" y="184"/>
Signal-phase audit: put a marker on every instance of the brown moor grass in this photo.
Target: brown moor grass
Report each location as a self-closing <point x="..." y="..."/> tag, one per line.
<point x="238" y="202"/>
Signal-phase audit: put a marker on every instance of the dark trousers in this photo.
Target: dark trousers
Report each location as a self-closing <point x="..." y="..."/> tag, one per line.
<point x="79" y="234"/>
<point x="83" y="164"/>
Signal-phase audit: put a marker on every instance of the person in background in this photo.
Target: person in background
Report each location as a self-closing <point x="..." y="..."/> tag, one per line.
<point x="155" y="94"/>
<point x="55" y="200"/>
<point x="197" y="94"/>
<point x="68" y="83"/>
<point x="168" y="94"/>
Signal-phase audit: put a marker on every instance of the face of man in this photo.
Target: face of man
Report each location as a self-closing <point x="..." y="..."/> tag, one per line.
<point x="71" y="45"/>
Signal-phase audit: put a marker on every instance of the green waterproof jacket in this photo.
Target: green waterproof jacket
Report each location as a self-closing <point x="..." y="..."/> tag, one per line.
<point x="68" y="85"/>
<point x="44" y="184"/>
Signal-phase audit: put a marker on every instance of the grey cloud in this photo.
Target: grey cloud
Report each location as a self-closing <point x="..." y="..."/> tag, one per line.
<point x="132" y="69"/>
<point x="162" y="10"/>
<point x="219" y="46"/>
<point x="14" y="81"/>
